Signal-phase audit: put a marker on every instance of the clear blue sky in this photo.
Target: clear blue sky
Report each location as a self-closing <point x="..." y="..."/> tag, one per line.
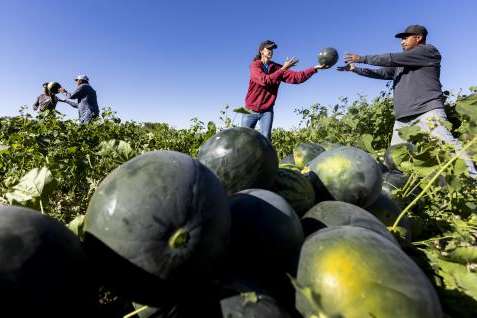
<point x="170" y="61"/>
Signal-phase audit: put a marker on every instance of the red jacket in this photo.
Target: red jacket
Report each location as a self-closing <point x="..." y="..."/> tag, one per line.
<point x="263" y="88"/>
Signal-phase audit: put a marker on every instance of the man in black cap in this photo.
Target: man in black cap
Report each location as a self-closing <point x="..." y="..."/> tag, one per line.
<point x="415" y="72"/>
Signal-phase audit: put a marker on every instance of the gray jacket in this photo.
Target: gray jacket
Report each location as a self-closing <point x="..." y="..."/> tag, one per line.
<point x="416" y="78"/>
<point x="87" y="101"/>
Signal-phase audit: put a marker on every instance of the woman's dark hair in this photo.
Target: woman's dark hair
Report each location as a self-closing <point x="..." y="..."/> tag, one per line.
<point x="265" y="44"/>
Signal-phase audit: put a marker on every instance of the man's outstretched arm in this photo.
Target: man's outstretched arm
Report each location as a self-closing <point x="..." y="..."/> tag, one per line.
<point x="419" y="56"/>
<point x="384" y="73"/>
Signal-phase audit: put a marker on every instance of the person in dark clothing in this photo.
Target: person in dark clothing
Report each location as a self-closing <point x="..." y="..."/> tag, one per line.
<point x="86" y="100"/>
<point x="47" y="100"/>
<point x="265" y="78"/>
<point x="418" y="97"/>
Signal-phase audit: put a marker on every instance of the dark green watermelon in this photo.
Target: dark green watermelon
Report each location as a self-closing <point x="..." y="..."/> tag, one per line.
<point x="321" y="193"/>
<point x="304" y="153"/>
<point x="242" y="158"/>
<point x="229" y="299"/>
<point x="348" y="174"/>
<point x="355" y="273"/>
<point x="204" y="302"/>
<point x="337" y="213"/>
<point x="266" y="233"/>
<point x="328" y="56"/>
<point x="162" y="218"/>
<point x="252" y="305"/>
<point x="43" y="269"/>
<point x="393" y="181"/>
<point x="296" y="189"/>
<point x="276" y="287"/>
<point x="387" y="211"/>
<point x="395" y="154"/>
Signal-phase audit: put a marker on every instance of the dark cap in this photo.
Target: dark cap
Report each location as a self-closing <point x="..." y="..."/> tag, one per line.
<point x="412" y="30"/>
<point x="268" y="44"/>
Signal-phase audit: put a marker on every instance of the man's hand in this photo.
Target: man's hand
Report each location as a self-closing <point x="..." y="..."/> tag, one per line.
<point x="352" y="58"/>
<point x="289" y="63"/>
<point x="321" y="67"/>
<point x="346" y="68"/>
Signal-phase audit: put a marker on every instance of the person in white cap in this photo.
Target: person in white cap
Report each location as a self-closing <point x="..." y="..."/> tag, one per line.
<point x="86" y="100"/>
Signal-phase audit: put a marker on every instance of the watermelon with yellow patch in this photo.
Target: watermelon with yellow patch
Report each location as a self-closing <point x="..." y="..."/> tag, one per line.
<point x="348" y="174"/>
<point x="304" y="153"/>
<point x="353" y="272"/>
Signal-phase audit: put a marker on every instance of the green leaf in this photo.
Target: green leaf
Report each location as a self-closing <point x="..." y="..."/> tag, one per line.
<point x="407" y="133"/>
<point x="400" y="153"/>
<point x="467" y="107"/>
<point x="367" y="141"/>
<point x="464" y="255"/>
<point x="125" y="150"/>
<point x="77" y="226"/>
<point x="31" y="187"/>
<point x="242" y="110"/>
<point x="454" y="275"/>
<point x="460" y="168"/>
<point x="106" y="148"/>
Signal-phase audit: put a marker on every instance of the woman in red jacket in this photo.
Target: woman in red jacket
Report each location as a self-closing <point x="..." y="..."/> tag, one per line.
<point x="265" y="78"/>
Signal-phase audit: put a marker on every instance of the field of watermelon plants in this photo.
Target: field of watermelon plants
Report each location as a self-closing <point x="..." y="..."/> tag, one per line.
<point x="126" y="219"/>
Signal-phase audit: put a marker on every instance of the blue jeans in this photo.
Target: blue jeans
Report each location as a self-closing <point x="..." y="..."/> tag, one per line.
<point x="86" y="117"/>
<point x="265" y="118"/>
<point x="431" y="122"/>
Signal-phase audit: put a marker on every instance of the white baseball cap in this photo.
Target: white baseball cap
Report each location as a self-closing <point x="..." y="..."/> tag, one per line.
<point x="82" y="77"/>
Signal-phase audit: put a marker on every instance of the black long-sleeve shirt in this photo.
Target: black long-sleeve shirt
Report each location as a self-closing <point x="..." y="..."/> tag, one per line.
<point x="416" y="78"/>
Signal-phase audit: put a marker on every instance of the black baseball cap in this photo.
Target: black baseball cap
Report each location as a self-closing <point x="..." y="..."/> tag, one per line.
<point x="412" y="30"/>
<point x="268" y="44"/>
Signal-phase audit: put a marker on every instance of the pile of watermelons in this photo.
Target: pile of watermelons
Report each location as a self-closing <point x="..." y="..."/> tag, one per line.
<point x="233" y="233"/>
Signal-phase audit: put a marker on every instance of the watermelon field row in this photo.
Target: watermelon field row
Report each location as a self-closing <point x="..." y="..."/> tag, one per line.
<point x="324" y="221"/>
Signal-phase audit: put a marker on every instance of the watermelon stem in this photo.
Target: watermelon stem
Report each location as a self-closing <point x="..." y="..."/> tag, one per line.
<point x="179" y="239"/>
<point x="411" y="185"/>
<point x="427" y="187"/>
<point x="41" y="207"/>
<point x="137" y="311"/>
<point x="434" y="239"/>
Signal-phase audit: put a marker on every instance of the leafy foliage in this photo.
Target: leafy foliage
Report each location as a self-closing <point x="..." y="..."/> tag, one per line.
<point x="54" y="165"/>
